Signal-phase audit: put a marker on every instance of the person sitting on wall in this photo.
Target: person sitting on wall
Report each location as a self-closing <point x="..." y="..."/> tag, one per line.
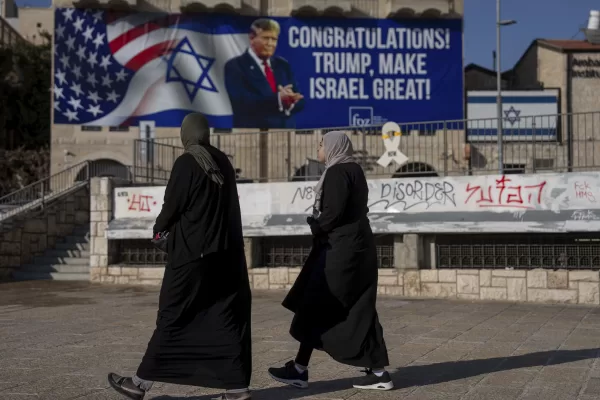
<point x="261" y="86"/>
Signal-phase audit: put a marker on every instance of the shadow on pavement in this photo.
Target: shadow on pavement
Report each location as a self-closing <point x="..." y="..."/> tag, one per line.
<point x="422" y="375"/>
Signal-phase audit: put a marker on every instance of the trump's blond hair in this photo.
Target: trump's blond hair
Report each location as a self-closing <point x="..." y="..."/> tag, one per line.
<point x="266" y="25"/>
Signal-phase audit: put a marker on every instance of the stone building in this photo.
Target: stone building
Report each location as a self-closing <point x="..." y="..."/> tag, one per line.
<point x="33" y="21"/>
<point x="481" y="78"/>
<point x="278" y="155"/>
<point x="572" y="67"/>
<point x="28" y="18"/>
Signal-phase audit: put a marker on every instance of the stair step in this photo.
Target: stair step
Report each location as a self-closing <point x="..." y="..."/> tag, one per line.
<point x="70" y="252"/>
<point x="77" y="239"/>
<point x="73" y="246"/>
<point x="57" y="276"/>
<point x="62" y="268"/>
<point x="44" y="260"/>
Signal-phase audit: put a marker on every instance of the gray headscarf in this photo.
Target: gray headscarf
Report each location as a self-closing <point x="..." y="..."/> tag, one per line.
<point x="338" y="150"/>
<point x="195" y="136"/>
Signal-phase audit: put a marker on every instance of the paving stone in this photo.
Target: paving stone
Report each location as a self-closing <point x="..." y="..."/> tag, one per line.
<point x="513" y="379"/>
<point x="546" y="394"/>
<point x="60" y="339"/>
<point x="492" y="393"/>
<point x="592" y="388"/>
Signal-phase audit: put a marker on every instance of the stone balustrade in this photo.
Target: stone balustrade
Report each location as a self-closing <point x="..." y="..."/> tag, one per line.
<point x="414" y="275"/>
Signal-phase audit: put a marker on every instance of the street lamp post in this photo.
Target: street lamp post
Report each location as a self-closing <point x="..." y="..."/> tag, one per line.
<point x="499" y="23"/>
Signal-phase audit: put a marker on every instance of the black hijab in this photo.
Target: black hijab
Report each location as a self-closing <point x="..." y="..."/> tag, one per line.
<point x="195" y="136"/>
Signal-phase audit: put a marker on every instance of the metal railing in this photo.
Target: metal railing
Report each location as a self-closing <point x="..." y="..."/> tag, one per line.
<point x="8" y="35"/>
<point x="550" y="143"/>
<point x="152" y="161"/>
<point x="39" y="194"/>
<point x="518" y="251"/>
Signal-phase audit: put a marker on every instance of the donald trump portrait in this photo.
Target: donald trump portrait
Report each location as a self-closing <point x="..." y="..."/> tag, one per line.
<point x="260" y="85"/>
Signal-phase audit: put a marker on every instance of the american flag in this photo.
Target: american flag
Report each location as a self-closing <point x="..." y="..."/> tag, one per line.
<point x="115" y="69"/>
<point x="88" y="81"/>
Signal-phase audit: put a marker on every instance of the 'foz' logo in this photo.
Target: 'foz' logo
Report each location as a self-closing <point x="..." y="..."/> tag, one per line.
<point x="361" y="116"/>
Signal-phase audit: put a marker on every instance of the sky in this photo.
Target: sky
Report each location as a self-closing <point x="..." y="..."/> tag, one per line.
<point x="543" y="19"/>
<point x="536" y="19"/>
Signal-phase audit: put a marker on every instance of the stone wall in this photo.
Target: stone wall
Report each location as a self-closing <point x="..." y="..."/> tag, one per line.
<point x="34" y="232"/>
<point x="101" y="249"/>
<point x="128" y="275"/>
<point x="540" y="286"/>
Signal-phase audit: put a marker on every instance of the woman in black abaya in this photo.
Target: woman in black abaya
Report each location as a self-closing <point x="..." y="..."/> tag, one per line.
<point x="334" y="297"/>
<point x="202" y="335"/>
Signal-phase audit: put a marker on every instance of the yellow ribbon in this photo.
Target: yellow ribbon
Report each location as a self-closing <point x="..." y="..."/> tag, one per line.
<point x="389" y="136"/>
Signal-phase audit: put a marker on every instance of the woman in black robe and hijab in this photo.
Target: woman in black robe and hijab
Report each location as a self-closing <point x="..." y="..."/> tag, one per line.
<point x="334" y="296"/>
<point x="202" y="335"/>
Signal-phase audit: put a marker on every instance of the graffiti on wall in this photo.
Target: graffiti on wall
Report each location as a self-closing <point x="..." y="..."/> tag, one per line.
<point x="141" y="203"/>
<point x="504" y="192"/>
<point x="405" y="194"/>
<point x="583" y="190"/>
<point x="483" y="203"/>
<point x="136" y="201"/>
<point x="391" y="196"/>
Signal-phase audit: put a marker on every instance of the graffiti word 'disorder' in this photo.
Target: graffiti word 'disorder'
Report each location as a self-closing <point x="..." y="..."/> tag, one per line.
<point x="584" y="191"/>
<point x="415" y="193"/>
<point x="584" y="215"/>
<point x="140" y="202"/>
<point x="505" y="195"/>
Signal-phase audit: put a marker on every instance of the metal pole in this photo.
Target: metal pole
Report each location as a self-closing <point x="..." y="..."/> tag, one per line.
<point x="499" y="93"/>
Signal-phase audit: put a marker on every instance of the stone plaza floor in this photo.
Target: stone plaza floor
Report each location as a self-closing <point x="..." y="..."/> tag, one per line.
<point x="59" y="340"/>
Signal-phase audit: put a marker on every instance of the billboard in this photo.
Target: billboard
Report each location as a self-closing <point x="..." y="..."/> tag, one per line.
<point x="116" y="69"/>
<point x="528" y="115"/>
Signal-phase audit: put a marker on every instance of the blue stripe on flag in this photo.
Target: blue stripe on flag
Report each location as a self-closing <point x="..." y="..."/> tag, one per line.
<point x="513" y="99"/>
<point x="513" y="132"/>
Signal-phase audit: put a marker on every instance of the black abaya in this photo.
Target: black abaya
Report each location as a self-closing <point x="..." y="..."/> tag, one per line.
<point x="202" y="336"/>
<point x="335" y="294"/>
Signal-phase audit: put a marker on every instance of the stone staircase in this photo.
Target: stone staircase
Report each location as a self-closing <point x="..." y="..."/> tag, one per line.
<point x="68" y="261"/>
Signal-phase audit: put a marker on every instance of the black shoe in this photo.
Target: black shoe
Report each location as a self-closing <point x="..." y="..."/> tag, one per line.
<point x="374" y="382"/>
<point x="288" y="374"/>
<point x="125" y="386"/>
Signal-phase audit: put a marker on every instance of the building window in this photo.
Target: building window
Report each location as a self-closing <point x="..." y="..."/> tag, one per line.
<point x="513" y="169"/>
<point x="90" y="128"/>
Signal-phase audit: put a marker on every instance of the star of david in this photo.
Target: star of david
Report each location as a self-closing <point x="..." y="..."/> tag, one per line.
<point x="512" y="115"/>
<point x="185" y="65"/>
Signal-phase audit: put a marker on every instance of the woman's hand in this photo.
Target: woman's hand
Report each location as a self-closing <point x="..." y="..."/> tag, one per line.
<point x="315" y="229"/>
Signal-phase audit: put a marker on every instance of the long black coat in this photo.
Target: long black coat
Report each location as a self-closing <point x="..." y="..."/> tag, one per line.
<point x="335" y="294"/>
<point x="202" y="335"/>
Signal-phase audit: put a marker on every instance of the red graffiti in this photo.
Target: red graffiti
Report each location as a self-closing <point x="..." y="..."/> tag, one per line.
<point x="140" y="202"/>
<point x="501" y="195"/>
<point x="583" y="190"/>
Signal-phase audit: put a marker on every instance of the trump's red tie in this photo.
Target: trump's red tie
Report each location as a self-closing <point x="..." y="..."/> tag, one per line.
<point x="270" y="76"/>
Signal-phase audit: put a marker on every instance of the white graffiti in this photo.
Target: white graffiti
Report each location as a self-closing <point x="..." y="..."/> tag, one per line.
<point x="584" y="215"/>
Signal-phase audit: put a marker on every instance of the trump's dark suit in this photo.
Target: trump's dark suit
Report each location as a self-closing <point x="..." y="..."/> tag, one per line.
<point x="253" y="102"/>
